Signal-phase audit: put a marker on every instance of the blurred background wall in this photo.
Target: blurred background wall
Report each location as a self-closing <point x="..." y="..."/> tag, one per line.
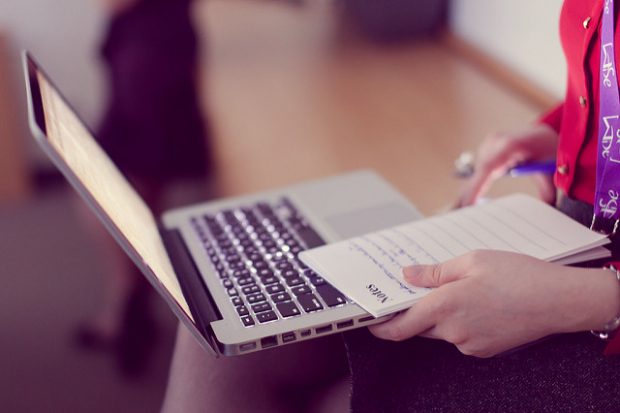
<point x="64" y="34"/>
<point x="524" y="35"/>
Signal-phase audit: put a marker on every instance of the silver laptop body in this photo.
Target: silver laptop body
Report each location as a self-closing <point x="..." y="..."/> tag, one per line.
<point x="228" y="269"/>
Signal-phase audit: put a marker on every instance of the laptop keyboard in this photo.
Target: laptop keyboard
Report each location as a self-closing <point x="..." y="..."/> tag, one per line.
<point x="254" y="250"/>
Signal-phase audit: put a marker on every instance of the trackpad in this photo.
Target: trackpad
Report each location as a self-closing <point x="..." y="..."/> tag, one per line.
<point x="362" y="221"/>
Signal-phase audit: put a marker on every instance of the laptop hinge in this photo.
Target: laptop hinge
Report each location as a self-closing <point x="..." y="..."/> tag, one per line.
<point x="199" y="299"/>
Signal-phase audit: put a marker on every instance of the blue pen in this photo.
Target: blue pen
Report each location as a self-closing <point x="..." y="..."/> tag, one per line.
<point x="464" y="167"/>
<point x="537" y="167"/>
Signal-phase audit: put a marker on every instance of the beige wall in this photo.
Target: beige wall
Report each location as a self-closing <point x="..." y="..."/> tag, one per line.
<point x="63" y="35"/>
<point x="521" y="34"/>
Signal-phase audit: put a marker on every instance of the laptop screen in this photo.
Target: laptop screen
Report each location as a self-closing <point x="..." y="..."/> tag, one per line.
<point x="100" y="180"/>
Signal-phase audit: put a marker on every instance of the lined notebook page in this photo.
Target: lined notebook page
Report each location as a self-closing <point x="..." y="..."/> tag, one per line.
<point x="368" y="269"/>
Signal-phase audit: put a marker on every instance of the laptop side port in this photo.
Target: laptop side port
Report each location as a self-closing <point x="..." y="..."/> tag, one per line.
<point x="270" y="341"/>
<point x="305" y="333"/>
<point x="323" y="329"/>
<point x="365" y="319"/>
<point x="247" y="346"/>
<point x="344" y="324"/>
<point x="288" y="337"/>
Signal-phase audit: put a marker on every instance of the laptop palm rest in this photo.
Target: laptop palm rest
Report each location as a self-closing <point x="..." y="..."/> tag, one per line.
<point x="363" y="221"/>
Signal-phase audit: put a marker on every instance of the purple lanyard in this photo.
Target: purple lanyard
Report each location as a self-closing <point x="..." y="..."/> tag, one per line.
<point x="606" y="213"/>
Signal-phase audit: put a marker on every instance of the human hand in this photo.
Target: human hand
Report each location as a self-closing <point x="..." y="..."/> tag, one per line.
<point x="487" y="302"/>
<point x="500" y="152"/>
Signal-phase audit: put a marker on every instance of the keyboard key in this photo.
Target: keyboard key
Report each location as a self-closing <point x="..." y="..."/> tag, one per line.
<point x="270" y="245"/>
<point x="266" y="316"/>
<point x="309" y="303"/>
<point x="317" y="281"/>
<point x="288" y="309"/>
<point x="260" y="265"/>
<point x="330" y="295"/>
<point x="265" y="272"/>
<point x="255" y="257"/>
<point x="227" y="283"/>
<point x="260" y="307"/>
<point x="239" y="265"/>
<point x="229" y="251"/>
<point x="291" y="282"/>
<point x="247" y="244"/>
<point x="250" y="289"/>
<point x="286" y="236"/>
<point x="224" y="244"/>
<point x="236" y="301"/>
<point x="269" y="280"/>
<point x="283" y="296"/>
<point x="219" y="267"/>
<point x="301" y="290"/>
<point x="232" y="292"/>
<point x="231" y="258"/>
<point x="274" y="288"/>
<point x="247" y="320"/>
<point x="245" y="281"/>
<point x="284" y="265"/>
<point x="255" y="298"/>
<point x="264" y="236"/>
<point x="242" y="310"/>
<point x="221" y="237"/>
<point x="290" y="273"/>
<point x="241" y="273"/>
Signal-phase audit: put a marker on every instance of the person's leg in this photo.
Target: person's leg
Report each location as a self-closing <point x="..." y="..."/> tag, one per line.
<point x="562" y="373"/>
<point x="306" y="376"/>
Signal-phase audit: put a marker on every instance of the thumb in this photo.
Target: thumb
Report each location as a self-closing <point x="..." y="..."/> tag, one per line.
<point x="430" y="276"/>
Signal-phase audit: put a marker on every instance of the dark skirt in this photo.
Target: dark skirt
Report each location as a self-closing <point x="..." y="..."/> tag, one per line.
<point x="562" y="373"/>
<point x="153" y="128"/>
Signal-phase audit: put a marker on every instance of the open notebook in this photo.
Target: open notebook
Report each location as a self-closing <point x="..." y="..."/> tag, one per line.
<point x="368" y="269"/>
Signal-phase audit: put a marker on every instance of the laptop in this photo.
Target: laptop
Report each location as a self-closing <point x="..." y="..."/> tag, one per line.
<point x="228" y="269"/>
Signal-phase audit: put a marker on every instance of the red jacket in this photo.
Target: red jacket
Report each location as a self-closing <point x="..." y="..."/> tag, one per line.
<point x="576" y="119"/>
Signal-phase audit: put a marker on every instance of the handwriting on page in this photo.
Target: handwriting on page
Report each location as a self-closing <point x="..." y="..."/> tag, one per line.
<point x="369" y="268"/>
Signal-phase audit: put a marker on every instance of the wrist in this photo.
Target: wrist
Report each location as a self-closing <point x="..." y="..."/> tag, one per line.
<point x="611" y="326"/>
<point x="603" y="295"/>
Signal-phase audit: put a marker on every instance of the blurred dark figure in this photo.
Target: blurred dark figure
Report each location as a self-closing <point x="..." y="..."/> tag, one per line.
<point x="394" y="20"/>
<point x="154" y="132"/>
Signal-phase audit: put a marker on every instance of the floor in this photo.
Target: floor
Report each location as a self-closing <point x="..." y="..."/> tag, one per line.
<point x="48" y="289"/>
<point x="292" y="96"/>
